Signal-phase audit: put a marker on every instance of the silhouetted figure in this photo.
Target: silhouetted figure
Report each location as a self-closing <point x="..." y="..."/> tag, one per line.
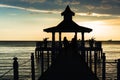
<point x="74" y="42"/>
<point x="65" y="42"/>
<point x="91" y="42"/>
<point x="74" y="45"/>
<point x="45" y="42"/>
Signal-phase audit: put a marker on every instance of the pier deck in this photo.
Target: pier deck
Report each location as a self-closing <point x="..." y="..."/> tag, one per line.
<point x="93" y="56"/>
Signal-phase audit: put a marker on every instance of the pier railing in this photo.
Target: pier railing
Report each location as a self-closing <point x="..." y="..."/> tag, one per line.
<point x="18" y="69"/>
<point x="90" y="54"/>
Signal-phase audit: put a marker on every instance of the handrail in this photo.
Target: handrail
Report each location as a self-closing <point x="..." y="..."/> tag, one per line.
<point x="6" y="73"/>
<point x="22" y="64"/>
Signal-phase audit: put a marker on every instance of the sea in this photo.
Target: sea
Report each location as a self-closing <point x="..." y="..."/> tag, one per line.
<point x="23" y="49"/>
<point x="20" y="49"/>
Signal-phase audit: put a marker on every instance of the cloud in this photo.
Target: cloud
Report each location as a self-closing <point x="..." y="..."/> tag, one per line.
<point x="54" y="6"/>
<point x="94" y="14"/>
<point x="72" y="3"/>
<point x="53" y="12"/>
<point x="9" y="6"/>
<point x="109" y="1"/>
<point x="112" y="3"/>
<point x="35" y="11"/>
<point x="104" y="7"/>
<point x="30" y="9"/>
<point x="43" y="11"/>
<point x="90" y="7"/>
<point x="34" y="1"/>
<point x="66" y="2"/>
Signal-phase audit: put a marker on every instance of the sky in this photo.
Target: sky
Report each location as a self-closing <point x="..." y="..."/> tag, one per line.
<point x="26" y="19"/>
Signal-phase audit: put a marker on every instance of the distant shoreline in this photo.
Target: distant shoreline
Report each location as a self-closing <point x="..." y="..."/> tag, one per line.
<point x="17" y="41"/>
<point x="28" y="42"/>
<point x="49" y="40"/>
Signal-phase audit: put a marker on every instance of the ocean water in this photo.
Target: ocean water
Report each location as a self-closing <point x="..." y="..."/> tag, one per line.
<point x="22" y="50"/>
<point x="112" y="50"/>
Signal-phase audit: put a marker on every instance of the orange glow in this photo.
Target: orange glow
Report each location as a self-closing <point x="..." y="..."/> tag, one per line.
<point x="100" y="29"/>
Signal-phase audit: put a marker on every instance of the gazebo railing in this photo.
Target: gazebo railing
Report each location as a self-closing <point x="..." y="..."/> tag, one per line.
<point x="91" y="53"/>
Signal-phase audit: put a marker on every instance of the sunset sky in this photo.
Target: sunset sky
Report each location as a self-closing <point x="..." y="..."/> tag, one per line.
<point x="26" y="19"/>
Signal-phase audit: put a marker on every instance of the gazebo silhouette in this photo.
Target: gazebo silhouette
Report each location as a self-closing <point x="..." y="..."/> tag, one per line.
<point x="67" y="25"/>
<point x="68" y="67"/>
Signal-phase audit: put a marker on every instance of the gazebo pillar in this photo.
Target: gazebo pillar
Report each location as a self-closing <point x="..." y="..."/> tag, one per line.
<point x="83" y="46"/>
<point x="83" y="42"/>
<point x="60" y="39"/>
<point x="76" y="34"/>
<point x="53" y="47"/>
<point x="53" y="39"/>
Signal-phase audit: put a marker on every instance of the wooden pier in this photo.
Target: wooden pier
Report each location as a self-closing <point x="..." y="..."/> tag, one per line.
<point x="94" y="57"/>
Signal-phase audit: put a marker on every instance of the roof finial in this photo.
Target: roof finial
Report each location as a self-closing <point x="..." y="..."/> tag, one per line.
<point x="67" y="13"/>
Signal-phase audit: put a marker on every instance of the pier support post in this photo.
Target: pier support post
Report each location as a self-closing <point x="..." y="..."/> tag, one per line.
<point x="95" y="64"/>
<point x="104" y="67"/>
<point x="48" y="59"/>
<point x="15" y="69"/>
<point x="118" y="70"/>
<point x="42" y="61"/>
<point x="32" y="66"/>
<point x="90" y="59"/>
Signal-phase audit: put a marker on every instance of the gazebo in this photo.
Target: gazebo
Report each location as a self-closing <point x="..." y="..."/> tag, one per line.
<point x="67" y="25"/>
<point x="70" y="64"/>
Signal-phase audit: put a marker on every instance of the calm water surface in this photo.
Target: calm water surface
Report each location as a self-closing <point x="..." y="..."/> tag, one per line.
<point x="112" y="50"/>
<point x="19" y="49"/>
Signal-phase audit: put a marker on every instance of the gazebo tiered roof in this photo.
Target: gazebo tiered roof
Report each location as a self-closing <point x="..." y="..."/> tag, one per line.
<point x="68" y="25"/>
